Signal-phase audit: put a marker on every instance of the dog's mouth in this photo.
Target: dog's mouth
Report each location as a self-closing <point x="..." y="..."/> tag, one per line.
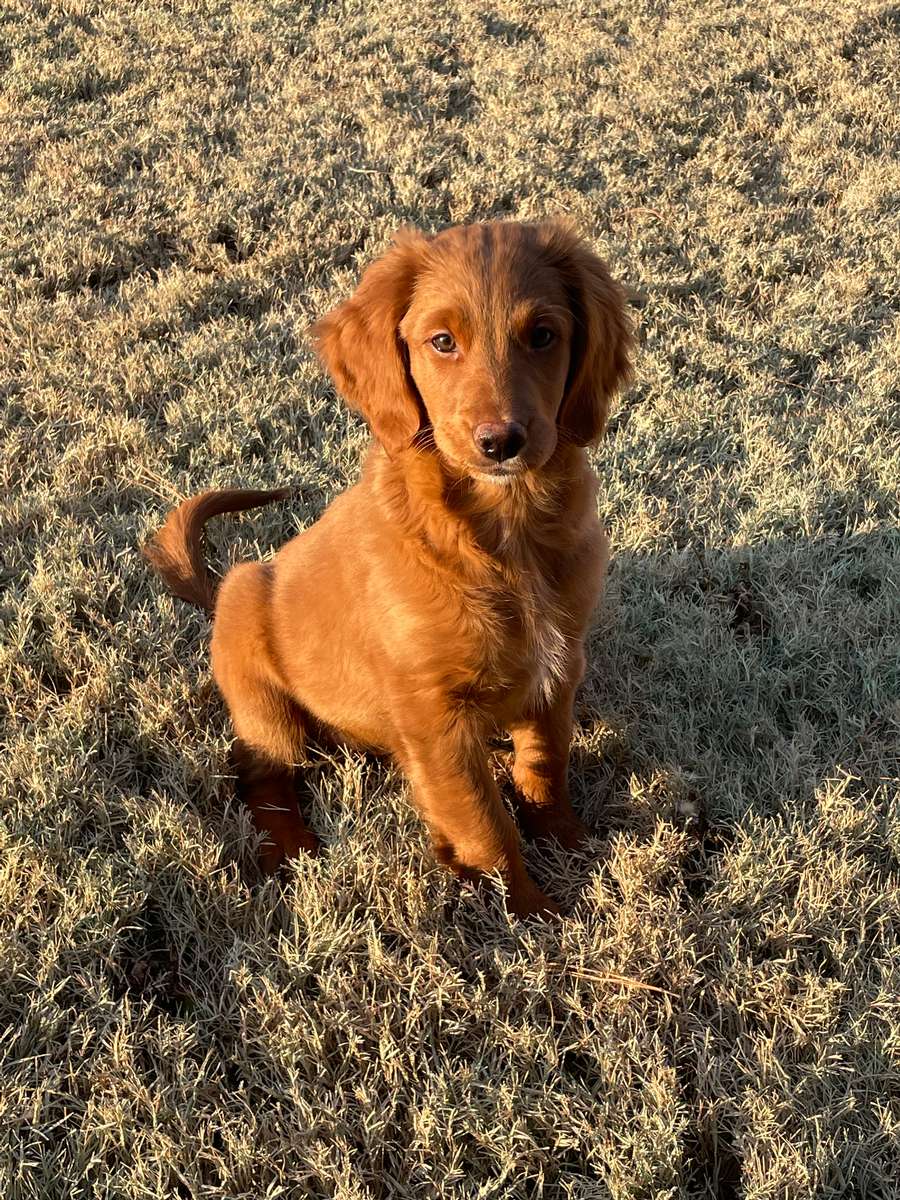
<point x="500" y="474"/>
<point x="513" y="468"/>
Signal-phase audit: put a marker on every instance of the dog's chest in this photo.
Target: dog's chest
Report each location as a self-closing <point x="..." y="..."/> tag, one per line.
<point x="525" y="651"/>
<point x="549" y="659"/>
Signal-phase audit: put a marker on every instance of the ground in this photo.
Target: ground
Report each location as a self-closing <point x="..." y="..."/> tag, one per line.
<point x="184" y="188"/>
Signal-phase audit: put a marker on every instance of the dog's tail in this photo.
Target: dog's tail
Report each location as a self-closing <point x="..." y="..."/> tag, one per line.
<point x="175" y="551"/>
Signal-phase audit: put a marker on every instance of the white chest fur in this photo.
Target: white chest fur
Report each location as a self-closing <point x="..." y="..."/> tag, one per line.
<point x="549" y="649"/>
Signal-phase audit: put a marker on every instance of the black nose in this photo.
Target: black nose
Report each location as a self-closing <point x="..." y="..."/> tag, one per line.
<point x="500" y="440"/>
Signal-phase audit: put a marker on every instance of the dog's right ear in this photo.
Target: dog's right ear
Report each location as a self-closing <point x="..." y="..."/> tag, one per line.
<point x="603" y="339"/>
<point x="360" y="346"/>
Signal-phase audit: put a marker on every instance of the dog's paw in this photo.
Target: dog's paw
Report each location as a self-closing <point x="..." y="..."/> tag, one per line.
<point x="277" y="856"/>
<point x="566" y="828"/>
<point x="571" y="832"/>
<point x="530" y="901"/>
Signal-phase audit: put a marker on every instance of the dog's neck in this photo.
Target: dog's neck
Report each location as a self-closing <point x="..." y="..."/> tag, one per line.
<point x="479" y="524"/>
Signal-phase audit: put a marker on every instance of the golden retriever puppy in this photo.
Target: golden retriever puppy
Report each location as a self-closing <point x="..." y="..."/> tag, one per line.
<point x="446" y="595"/>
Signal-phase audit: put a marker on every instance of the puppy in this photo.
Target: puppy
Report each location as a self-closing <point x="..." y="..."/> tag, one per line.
<point x="446" y="595"/>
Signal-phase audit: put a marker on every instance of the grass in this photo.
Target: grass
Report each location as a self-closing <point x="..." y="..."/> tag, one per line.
<point x="184" y="188"/>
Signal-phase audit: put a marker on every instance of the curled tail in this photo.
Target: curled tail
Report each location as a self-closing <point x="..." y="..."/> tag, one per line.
<point x="175" y="551"/>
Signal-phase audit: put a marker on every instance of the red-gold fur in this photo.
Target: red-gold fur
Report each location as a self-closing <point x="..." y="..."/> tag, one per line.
<point x="444" y="596"/>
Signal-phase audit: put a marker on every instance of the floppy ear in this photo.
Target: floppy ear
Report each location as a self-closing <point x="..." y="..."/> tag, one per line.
<point x="360" y="346"/>
<point x="602" y="339"/>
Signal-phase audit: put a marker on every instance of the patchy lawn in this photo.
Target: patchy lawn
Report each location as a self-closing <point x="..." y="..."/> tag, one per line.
<point x="184" y="188"/>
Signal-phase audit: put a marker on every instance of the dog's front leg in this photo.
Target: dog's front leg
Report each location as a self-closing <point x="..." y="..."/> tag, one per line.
<point x="541" y="766"/>
<point x="457" y="796"/>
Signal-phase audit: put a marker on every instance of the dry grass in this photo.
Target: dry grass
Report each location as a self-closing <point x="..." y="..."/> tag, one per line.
<point x="185" y="187"/>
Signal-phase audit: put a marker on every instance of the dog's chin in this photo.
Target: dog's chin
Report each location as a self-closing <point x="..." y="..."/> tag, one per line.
<point x="498" y="478"/>
<point x="503" y="474"/>
<point x="498" y="475"/>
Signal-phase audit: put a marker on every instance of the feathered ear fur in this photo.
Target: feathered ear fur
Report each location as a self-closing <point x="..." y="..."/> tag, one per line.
<point x="360" y="346"/>
<point x="602" y="341"/>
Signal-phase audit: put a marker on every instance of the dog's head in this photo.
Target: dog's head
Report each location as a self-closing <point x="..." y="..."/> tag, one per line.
<point x="501" y="338"/>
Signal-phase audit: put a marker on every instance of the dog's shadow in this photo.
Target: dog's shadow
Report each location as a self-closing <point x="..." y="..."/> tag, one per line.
<point x="725" y="686"/>
<point x="616" y="799"/>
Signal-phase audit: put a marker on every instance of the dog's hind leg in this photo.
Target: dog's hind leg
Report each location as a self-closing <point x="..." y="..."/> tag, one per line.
<point x="268" y="789"/>
<point x="271" y="728"/>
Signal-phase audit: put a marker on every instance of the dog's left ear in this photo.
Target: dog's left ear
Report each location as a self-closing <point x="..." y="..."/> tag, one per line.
<point x="360" y="346"/>
<point x="602" y="340"/>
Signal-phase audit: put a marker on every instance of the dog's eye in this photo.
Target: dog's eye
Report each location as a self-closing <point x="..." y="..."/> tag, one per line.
<point x="443" y="343"/>
<point x="541" y="337"/>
